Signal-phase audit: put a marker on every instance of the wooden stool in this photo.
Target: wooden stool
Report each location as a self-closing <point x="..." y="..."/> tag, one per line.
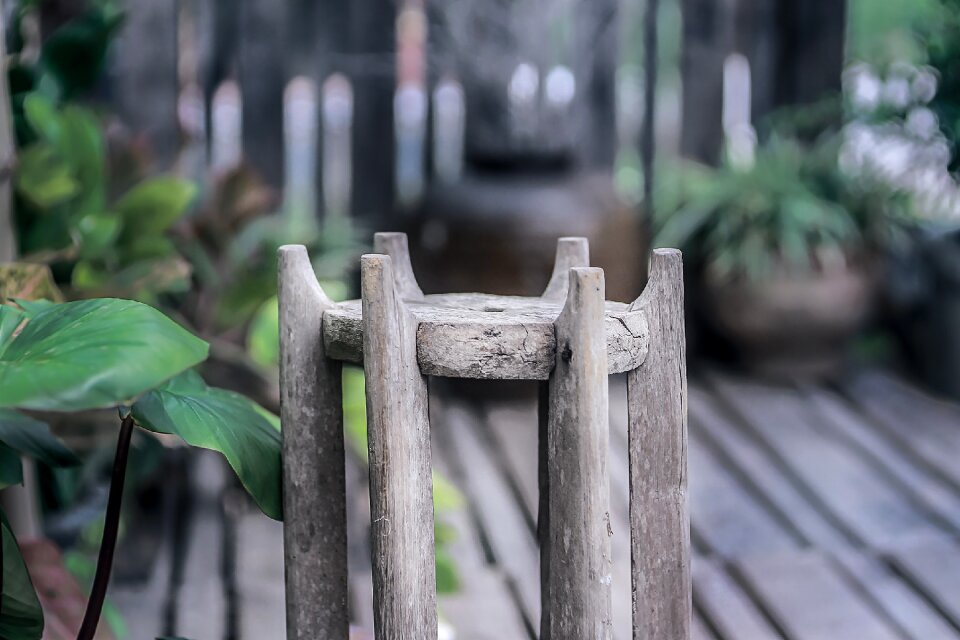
<point x="571" y="339"/>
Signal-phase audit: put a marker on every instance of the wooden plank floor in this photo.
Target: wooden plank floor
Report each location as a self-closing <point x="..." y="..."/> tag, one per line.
<point x="818" y="513"/>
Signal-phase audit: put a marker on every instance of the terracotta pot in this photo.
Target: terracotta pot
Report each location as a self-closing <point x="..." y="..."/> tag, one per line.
<point x="793" y="324"/>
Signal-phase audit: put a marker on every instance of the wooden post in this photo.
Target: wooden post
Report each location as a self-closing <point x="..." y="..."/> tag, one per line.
<point x="707" y="41"/>
<point x="401" y="492"/>
<point x="657" y="405"/>
<point x="597" y="54"/>
<point x="571" y="252"/>
<point x="395" y="245"/>
<point x="314" y="485"/>
<point x="577" y="598"/>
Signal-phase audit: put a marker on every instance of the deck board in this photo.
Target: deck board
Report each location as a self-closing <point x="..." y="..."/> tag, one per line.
<point x="817" y="513"/>
<point x="859" y="496"/>
<point x="810" y="600"/>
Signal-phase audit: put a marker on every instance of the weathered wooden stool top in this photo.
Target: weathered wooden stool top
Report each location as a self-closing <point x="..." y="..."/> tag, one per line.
<point x="571" y="338"/>
<point x="473" y="335"/>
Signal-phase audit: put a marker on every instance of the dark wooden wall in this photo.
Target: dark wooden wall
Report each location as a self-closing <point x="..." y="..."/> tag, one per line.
<point x="795" y="49"/>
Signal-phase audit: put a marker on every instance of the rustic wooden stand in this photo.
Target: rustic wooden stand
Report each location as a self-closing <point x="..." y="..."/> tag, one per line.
<point x="570" y="338"/>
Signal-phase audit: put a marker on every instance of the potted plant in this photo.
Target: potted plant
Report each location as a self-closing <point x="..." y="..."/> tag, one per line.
<point x="788" y="251"/>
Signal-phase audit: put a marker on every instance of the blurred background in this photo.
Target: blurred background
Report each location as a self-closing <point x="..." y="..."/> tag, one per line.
<point x="802" y="153"/>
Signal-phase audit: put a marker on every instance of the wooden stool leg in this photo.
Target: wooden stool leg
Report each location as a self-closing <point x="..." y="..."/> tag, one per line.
<point x="314" y="485"/>
<point x="659" y="519"/>
<point x="576" y="600"/>
<point x="401" y="490"/>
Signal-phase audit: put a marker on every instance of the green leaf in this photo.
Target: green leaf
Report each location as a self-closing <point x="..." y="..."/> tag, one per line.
<point x="153" y="205"/>
<point x="10" y="319"/>
<point x="21" y="617"/>
<point x="42" y="116"/>
<point x="44" y="177"/>
<point x="75" y="52"/>
<point x="11" y="469"/>
<point x="448" y="581"/>
<point x="91" y="354"/>
<point x="263" y="338"/>
<point x="33" y="438"/>
<point x="222" y="421"/>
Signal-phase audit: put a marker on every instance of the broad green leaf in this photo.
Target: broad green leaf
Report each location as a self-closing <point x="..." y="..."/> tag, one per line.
<point x="44" y="177"/>
<point x="33" y="438"/>
<point x="91" y="354"/>
<point x="21" y="617"/>
<point x="32" y="307"/>
<point x="152" y="206"/>
<point x="222" y="421"/>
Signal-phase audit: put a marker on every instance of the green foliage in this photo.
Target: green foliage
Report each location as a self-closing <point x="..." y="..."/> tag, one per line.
<point x="21" y="617"/>
<point x="222" y="421"/>
<point x="91" y="354"/>
<point x="23" y="435"/>
<point x="74" y="54"/>
<point x="792" y="208"/>
<point x="889" y="31"/>
<point x="64" y="210"/>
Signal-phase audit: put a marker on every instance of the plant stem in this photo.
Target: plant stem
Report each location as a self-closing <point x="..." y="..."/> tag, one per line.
<point x="111" y="526"/>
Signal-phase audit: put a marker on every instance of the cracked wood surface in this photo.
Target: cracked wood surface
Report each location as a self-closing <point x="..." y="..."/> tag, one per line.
<point x="474" y="335"/>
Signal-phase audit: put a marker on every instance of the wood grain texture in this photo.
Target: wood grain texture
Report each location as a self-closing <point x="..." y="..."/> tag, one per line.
<point x="571" y="252"/>
<point x="657" y="409"/>
<point x="401" y="492"/>
<point x="475" y="335"/>
<point x="578" y="589"/>
<point x="314" y="491"/>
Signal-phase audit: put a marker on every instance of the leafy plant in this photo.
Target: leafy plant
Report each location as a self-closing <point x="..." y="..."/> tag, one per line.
<point x="66" y="217"/>
<point x="104" y="353"/>
<point x="794" y="207"/>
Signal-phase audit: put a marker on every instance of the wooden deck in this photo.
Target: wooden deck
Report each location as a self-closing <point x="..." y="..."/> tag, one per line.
<point x="818" y="513"/>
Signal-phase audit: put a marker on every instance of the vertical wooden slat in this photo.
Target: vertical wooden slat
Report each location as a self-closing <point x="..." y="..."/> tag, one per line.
<point x="401" y="493"/>
<point x="597" y="56"/>
<point x="657" y="408"/>
<point x="373" y="40"/>
<point x="578" y="593"/>
<point x="330" y="44"/>
<point x="262" y="80"/>
<point x="147" y="83"/>
<point x="571" y="252"/>
<point x="396" y="246"/>
<point x="707" y="41"/>
<point x="314" y="484"/>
